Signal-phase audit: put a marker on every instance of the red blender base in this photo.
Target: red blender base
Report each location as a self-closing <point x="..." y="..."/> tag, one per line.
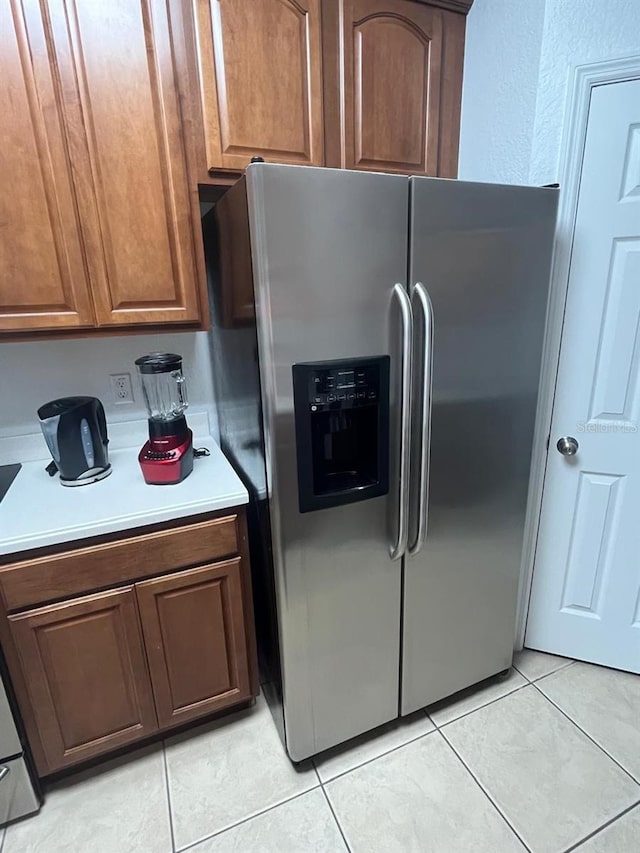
<point x="166" y="460"/>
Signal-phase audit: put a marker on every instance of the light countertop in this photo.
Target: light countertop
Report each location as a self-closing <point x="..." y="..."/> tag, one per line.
<point x="37" y="511"/>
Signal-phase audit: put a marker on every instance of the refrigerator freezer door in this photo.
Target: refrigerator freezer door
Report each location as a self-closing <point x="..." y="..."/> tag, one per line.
<point x="327" y="248"/>
<point x="483" y="253"/>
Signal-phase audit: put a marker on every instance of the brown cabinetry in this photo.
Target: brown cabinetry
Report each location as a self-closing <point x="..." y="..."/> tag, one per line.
<point x="43" y="280"/>
<point x="393" y="83"/>
<point x="194" y="634"/>
<point x="114" y="110"/>
<point x="133" y="188"/>
<point x="97" y="220"/>
<point x="356" y="84"/>
<point x="260" y="72"/>
<point x="83" y="663"/>
<point x="97" y="671"/>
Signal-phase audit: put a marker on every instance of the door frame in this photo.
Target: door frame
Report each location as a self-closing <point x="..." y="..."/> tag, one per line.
<point x="585" y="78"/>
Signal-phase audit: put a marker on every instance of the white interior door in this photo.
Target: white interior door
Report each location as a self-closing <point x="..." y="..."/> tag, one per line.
<point x="585" y="599"/>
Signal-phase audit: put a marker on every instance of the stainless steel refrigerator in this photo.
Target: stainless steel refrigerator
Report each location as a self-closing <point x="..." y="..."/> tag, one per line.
<point x="378" y="398"/>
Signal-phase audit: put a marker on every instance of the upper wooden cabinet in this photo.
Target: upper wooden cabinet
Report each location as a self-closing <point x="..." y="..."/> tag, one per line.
<point x="96" y="202"/>
<point x="356" y="84"/>
<point x="133" y="184"/>
<point x="43" y="279"/>
<point x="260" y="74"/>
<point x="393" y="84"/>
<point x="114" y="110"/>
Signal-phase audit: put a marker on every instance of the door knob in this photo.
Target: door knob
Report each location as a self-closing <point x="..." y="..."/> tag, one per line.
<point x="567" y="445"/>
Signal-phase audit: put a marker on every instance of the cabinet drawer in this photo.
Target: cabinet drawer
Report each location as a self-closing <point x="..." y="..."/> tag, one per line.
<point x="99" y="566"/>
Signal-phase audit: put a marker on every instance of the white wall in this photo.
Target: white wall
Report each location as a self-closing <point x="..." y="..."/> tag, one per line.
<point x="502" y="57"/>
<point x="33" y="373"/>
<point x="575" y="34"/>
<point x="519" y="58"/>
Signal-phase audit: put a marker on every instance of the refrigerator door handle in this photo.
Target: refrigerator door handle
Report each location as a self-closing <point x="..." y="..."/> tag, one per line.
<point x="420" y="295"/>
<point x="400" y="293"/>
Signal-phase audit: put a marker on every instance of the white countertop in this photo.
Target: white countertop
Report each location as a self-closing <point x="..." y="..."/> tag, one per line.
<point x="38" y="511"/>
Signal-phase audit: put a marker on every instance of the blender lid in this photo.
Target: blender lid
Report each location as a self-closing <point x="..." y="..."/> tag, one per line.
<point x="159" y="362"/>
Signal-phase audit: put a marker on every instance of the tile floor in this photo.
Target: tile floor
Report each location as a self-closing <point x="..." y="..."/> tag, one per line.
<point x="545" y="760"/>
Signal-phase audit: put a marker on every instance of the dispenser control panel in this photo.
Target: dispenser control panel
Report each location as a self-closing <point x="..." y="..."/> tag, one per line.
<point x="341" y="411"/>
<point x="343" y="386"/>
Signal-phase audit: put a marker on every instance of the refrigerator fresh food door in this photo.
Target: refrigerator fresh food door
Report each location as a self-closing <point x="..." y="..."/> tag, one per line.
<point x="328" y="247"/>
<point x="482" y="254"/>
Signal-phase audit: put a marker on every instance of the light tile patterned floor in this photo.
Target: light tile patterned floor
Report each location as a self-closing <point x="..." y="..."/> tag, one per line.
<point x="546" y="760"/>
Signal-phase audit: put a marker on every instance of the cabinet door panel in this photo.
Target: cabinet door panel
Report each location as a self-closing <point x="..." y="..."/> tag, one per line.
<point x="193" y="625"/>
<point x="398" y="67"/>
<point x="261" y="81"/>
<point x="137" y="217"/>
<point x="43" y="280"/>
<point x="84" y="667"/>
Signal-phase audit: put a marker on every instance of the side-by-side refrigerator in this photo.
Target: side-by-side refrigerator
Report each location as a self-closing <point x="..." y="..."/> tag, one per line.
<point x="376" y="344"/>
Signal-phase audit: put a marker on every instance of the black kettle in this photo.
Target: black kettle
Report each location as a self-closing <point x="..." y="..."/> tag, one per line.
<point x="75" y="429"/>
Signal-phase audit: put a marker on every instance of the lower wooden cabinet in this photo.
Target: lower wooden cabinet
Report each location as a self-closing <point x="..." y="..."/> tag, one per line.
<point x="195" y="639"/>
<point x="167" y="645"/>
<point x="84" y="665"/>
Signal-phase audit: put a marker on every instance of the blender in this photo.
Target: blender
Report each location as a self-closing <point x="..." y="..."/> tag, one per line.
<point x="167" y="457"/>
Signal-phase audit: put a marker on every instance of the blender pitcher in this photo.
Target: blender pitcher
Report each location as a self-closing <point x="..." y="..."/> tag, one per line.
<point x="167" y="457"/>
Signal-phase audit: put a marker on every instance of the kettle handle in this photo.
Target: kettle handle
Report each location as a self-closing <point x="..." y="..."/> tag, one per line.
<point x="102" y="422"/>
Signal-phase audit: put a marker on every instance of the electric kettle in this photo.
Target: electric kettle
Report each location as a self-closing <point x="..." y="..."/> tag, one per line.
<point x="75" y="429"/>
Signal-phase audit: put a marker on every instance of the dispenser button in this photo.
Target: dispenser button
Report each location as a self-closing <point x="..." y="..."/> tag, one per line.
<point x="371" y="395"/>
<point x="361" y="395"/>
<point x="352" y="396"/>
<point x="342" y="396"/>
<point x="331" y="398"/>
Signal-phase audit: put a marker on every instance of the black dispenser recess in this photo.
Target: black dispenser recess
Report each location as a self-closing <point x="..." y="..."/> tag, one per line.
<point x="342" y="431"/>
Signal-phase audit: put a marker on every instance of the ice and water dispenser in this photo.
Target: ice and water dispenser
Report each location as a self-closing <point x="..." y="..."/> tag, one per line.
<point x="342" y="431"/>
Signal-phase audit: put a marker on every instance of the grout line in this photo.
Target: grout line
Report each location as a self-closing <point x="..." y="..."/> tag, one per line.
<point x="484" y="705"/>
<point x="375" y="758"/>
<point x="485" y="792"/>
<point x="246" y="819"/>
<point x="546" y="674"/>
<point x="603" y="827"/>
<point x="168" y="790"/>
<point x="586" y="734"/>
<point x="313" y="764"/>
<point x="427" y="714"/>
<point x="335" y="817"/>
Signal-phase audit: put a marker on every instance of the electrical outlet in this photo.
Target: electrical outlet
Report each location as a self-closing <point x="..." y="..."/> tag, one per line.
<point x="121" y="388"/>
